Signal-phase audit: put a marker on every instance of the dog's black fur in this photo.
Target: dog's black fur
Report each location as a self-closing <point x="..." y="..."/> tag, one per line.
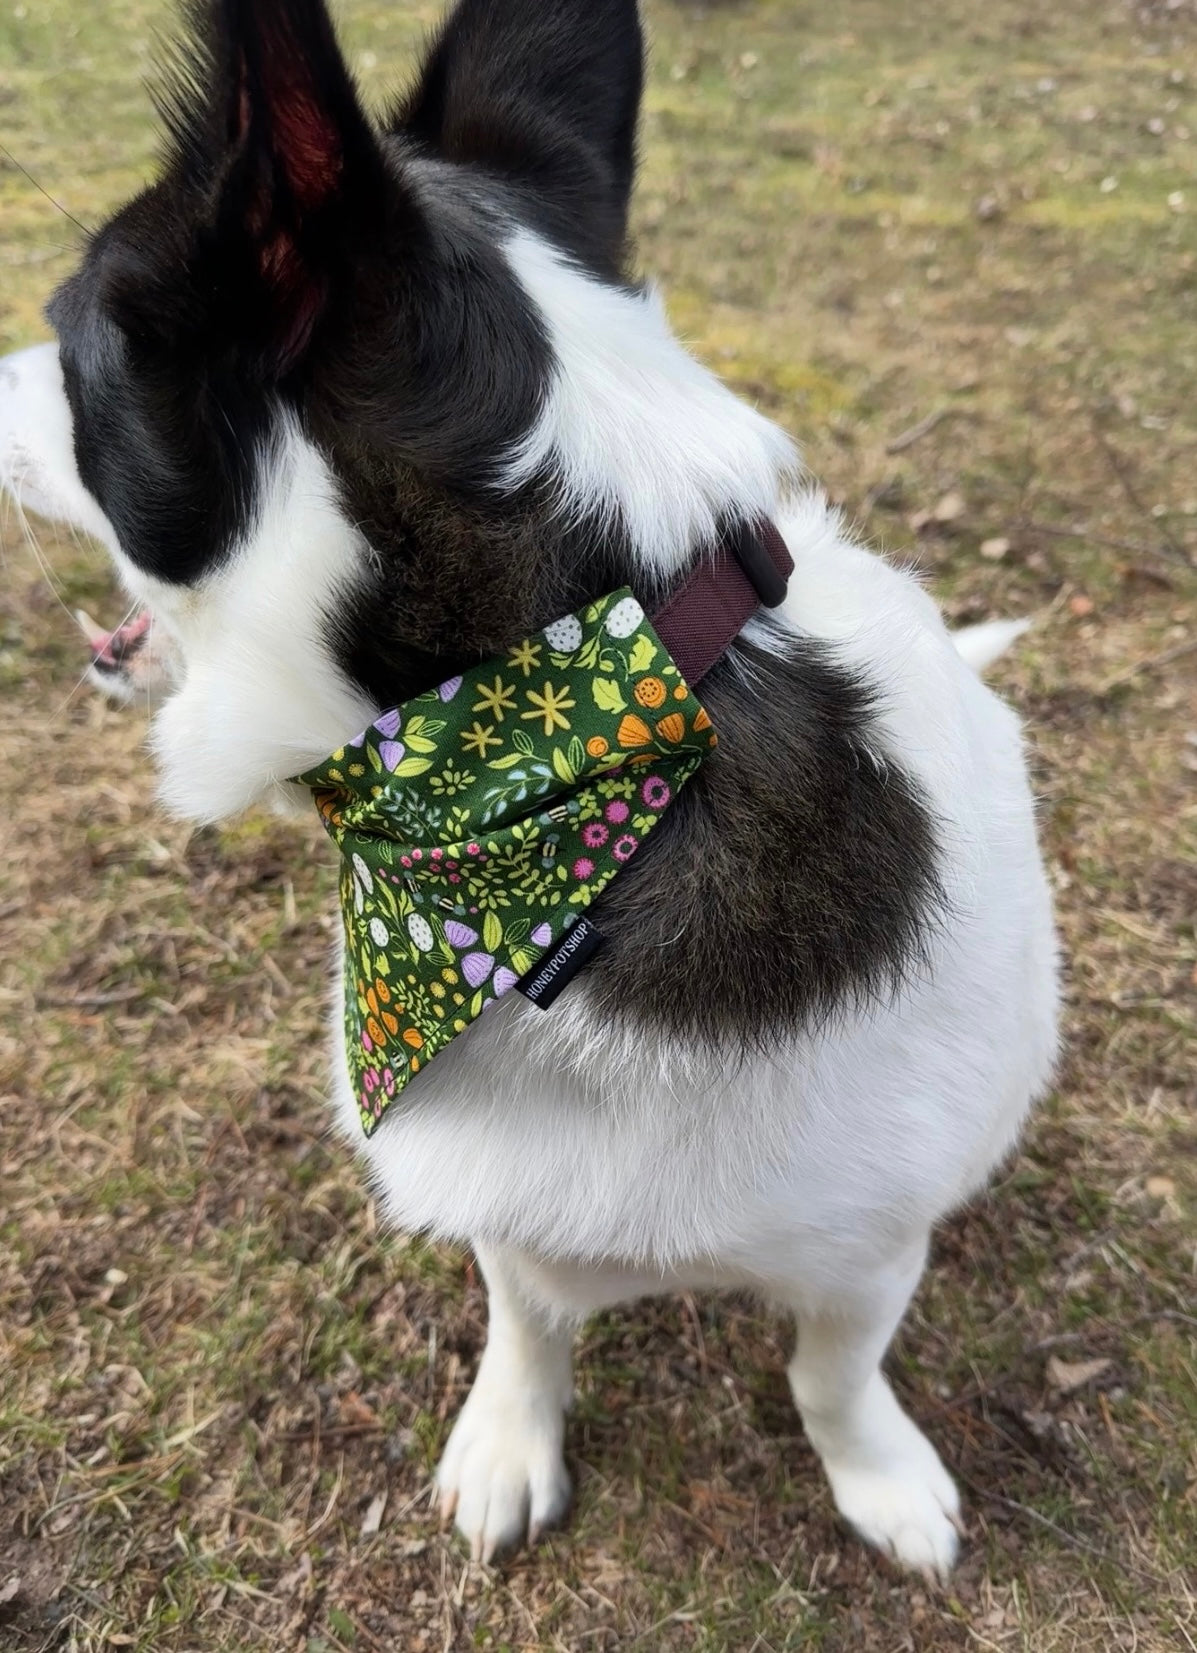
<point x="293" y="258"/>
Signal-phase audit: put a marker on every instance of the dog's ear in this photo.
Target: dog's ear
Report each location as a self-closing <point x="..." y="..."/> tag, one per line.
<point x="545" y="93"/>
<point x="270" y="144"/>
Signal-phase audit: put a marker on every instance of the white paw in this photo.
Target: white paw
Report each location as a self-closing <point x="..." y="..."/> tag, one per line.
<point x="503" y="1475"/>
<point x="908" y="1509"/>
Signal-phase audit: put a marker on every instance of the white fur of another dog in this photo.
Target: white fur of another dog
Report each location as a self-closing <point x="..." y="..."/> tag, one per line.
<point x="586" y="1165"/>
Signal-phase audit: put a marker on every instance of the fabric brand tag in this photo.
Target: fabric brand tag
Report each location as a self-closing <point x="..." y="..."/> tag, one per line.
<point x="554" y="973"/>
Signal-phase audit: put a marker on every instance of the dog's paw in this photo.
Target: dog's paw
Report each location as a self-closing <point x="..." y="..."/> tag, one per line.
<point x="503" y="1476"/>
<point x="910" y="1510"/>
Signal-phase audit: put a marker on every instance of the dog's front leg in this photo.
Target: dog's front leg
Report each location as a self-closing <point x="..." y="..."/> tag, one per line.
<point x="886" y="1476"/>
<point x="503" y="1472"/>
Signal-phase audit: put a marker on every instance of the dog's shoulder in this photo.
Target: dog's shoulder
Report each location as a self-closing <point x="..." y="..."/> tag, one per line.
<point x="808" y="865"/>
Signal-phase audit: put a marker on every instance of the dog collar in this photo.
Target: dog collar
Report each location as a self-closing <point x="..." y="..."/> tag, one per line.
<point x="477" y="822"/>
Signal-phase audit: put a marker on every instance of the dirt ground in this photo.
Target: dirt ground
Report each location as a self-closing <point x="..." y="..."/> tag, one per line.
<point x="954" y="249"/>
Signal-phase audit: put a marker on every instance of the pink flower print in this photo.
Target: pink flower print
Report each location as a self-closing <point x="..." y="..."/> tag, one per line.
<point x="624" y="848"/>
<point x="367" y="1042"/>
<point x="473" y="849"/>
<point x="437" y="854"/>
<point x="655" y="792"/>
<point x="617" y="812"/>
<point x="388" y="1081"/>
<point x="583" y="867"/>
<point x="594" y="835"/>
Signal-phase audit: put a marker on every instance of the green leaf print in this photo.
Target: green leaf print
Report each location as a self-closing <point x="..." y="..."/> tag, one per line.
<point x="607" y="696"/>
<point x="412" y="766"/>
<point x="643" y="654"/>
<point x="492" y="932"/>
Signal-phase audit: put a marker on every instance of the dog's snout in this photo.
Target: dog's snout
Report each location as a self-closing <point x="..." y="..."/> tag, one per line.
<point x="37" y="442"/>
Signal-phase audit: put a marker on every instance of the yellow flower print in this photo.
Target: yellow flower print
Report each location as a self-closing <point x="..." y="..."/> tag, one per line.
<point x="550" y="706"/>
<point x="479" y="738"/>
<point x="524" y="657"/>
<point x="496" y="701"/>
<point x="450" y="781"/>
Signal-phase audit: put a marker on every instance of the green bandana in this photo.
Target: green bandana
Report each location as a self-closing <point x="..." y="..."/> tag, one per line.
<point x="479" y="820"/>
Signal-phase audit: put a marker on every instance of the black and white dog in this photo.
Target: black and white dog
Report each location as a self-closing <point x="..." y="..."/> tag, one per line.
<point x="355" y="405"/>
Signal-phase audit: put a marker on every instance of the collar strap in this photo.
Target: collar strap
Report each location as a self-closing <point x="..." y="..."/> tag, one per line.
<point x="750" y="568"/>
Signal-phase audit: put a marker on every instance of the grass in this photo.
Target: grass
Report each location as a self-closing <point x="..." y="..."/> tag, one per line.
<point x="955" y="251"/>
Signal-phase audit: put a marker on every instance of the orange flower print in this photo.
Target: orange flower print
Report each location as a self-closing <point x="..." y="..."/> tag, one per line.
<point x="650" y="692"/>
<point x="380" y="1023"/>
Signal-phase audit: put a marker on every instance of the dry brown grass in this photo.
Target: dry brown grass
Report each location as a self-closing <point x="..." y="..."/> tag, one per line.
<point x="214" y="1361"/>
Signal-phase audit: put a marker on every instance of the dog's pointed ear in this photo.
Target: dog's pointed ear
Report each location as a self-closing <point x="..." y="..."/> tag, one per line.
<point x="267" y="131"/>
<point x="547" y="95"/>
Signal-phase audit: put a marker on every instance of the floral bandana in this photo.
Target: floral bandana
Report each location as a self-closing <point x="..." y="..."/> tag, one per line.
<point x="479" y="820"/>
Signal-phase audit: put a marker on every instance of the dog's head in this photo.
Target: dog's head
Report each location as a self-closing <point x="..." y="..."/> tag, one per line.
<point x="351" y="403"/>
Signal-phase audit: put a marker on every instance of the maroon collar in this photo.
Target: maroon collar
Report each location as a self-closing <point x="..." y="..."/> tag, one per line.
<point x="749" y="570"/>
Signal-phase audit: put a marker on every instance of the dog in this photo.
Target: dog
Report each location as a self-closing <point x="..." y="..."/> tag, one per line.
<point x="356" y="404"/>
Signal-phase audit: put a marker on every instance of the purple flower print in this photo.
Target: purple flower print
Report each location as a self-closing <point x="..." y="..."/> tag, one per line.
<point x="476" y="967"/>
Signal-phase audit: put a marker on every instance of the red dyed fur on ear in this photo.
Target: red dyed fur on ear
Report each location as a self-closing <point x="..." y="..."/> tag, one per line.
<point x="310" y="148"/>
<point x="306" y="151"/>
